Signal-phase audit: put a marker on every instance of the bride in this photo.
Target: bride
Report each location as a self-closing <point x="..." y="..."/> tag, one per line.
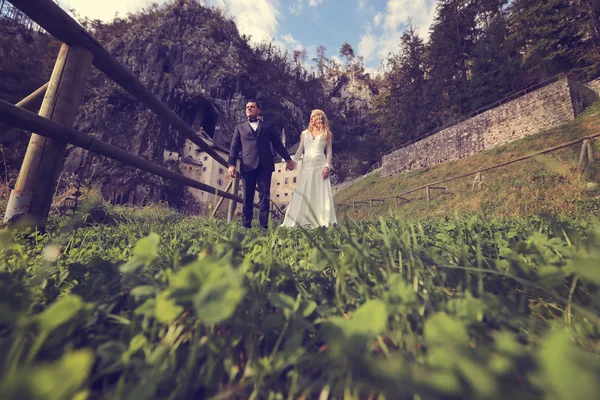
<point x="312" y="201"/>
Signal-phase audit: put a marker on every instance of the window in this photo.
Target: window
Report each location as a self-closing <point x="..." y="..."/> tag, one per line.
<point x="220" y="182"/>
<point x="287" y="181"/>
<point x="285" y="195"/>
<point x="205" y="158"/>
<point x="294" y="180"/>
<point x="221" y="171"/>
<point x="277" y="195"/>
<point x="203" y="169"/>
<point x="278" y="183"/>
<point x="278" y="170"/>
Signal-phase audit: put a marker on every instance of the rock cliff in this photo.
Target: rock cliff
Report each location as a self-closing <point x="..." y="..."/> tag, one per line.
<point x="197" y="63"/>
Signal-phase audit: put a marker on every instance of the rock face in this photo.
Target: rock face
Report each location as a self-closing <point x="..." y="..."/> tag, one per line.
<point x="196" y="62"/>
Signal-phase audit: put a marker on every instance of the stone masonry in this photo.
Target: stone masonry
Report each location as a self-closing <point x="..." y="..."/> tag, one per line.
<point x="543" y="109"/>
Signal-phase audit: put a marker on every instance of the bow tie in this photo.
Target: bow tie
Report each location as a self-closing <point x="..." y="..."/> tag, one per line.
<point x="253" y="119"/>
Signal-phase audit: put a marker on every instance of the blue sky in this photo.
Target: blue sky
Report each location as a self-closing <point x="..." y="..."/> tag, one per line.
<point x="372" y="27"/>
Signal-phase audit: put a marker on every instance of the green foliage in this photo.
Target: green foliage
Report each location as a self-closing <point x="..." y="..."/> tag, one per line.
<point x="155" y="305"/>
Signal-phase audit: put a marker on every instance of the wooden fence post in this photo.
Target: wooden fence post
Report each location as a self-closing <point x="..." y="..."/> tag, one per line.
<point x="428" y="193"/>
<point x="590" y="154"/>
<point x="45" y="158"/>
<point x="233" y="203"/>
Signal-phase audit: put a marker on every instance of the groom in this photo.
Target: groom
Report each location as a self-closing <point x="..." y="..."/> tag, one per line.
<point x="254" y="139"/>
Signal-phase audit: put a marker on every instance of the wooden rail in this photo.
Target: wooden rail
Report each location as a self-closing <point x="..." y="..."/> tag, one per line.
<point x="28" y="121"/>
<point x="432" y="185"/>
<point x="57" y="22"/>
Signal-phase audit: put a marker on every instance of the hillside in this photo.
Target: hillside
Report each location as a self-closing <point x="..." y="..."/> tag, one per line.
<point x="548" y="184"/>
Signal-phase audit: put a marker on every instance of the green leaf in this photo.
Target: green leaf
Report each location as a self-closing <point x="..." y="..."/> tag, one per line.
<point x="217" y="302"/>
<point x="588" y="268"/>
<point x="59" y="312"/>
<point x="145" y="251"/>
<point x="443" y="329"/>
<point x="307" y="307"/>
<point x="569" y="372"/>
<point x="59" y="380"/>
<point x="281" y="300"/>
<point x="166" y="308"/>
<point x="136" y="343"/>
<point x="371" y="317"/>
<point x="142" y="292"/>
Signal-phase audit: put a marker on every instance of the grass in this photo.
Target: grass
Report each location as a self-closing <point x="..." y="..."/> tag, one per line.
<point x="548" y="184"/>
<point x="146" y="303"/>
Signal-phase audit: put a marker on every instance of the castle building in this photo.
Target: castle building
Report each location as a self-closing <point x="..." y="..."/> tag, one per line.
<point x="198" y="165"/>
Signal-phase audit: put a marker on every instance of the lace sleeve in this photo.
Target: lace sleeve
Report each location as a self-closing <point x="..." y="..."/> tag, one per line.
<point x="300" y="150"/>
<point x="329" y="153"/>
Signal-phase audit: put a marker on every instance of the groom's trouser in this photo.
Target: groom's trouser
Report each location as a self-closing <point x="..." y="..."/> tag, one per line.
<point x="250" y="179"/>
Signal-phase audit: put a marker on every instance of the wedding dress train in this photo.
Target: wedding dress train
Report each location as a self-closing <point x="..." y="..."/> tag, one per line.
<point x="311" y="204"/>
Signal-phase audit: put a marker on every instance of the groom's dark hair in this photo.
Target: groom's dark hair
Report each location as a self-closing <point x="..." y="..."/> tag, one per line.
<point x="255" y="102"/>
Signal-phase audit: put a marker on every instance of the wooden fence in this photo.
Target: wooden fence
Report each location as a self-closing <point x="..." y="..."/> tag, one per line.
<point x="58" y="101"/>
<point x="586" y="156"/>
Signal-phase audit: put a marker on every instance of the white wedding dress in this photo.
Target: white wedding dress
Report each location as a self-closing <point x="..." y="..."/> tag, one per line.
<point x="312" y="201"/>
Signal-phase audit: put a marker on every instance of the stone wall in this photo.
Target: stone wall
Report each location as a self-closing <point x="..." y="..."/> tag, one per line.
<point x="582" y="96"/>
<point x="543" y="109"/>
<point x="595" y="85"/>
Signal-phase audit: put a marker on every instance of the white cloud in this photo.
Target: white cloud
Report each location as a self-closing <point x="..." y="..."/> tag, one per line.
<point x="296" y="8"/>
<point x="314" y="3"/>
<point x="291" y="42"/>
<point x="258" y="18"/>
<point x="105" y="10"/>
<point x="377" y="19"/>
<point x="368" y="45"/>
<point x="383" y="35"/>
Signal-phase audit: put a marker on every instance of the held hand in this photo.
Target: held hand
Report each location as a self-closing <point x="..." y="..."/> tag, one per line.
<point x="291" y="165"/>
<point x="231" y="171"/>
<point x="325" y="173"/>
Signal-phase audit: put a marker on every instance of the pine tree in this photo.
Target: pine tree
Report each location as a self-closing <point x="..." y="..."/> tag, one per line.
<point x="496" y="67"/>
<point x="550" y="35"/>
<point x="453" y="36"/>
<point x="404" y="107"/>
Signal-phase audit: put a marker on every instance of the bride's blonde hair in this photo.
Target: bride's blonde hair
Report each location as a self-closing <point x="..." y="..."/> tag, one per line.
<point x="321" y="125"/>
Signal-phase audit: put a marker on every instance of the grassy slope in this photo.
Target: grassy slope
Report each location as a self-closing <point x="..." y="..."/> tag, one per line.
<point x="547" y="184"/>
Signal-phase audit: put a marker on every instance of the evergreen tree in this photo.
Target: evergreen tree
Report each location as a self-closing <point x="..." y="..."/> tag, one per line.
<point x="404" y="107"/>
<point x="496" y="67"/>
<point x="549" y="34"/>
<point x="453" y="36"/>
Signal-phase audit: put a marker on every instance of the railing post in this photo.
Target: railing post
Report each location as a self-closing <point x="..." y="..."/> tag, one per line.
<point x="44" y="158"/>
<point x="233" y="203"/>
<point x="428" y="193"/>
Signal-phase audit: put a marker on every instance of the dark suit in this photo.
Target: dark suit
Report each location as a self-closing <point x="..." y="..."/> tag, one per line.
<point x="256" y="165"/>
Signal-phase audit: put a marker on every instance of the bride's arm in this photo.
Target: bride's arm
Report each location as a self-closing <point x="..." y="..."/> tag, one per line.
<point x="329" y="152"/>
<point x="300" y="150"/>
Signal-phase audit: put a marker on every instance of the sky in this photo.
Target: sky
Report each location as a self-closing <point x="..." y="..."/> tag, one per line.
<point x="372" y="27"/>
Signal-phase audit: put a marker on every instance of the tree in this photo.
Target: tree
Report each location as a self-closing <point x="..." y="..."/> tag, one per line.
<point x="321" y="60"/>
<point x="549" y="35"/>
<point x="453" y="36"/>
<point x="403" y="107"/>
<point x="496" y="70"/>
<point x="348" y="52"/>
